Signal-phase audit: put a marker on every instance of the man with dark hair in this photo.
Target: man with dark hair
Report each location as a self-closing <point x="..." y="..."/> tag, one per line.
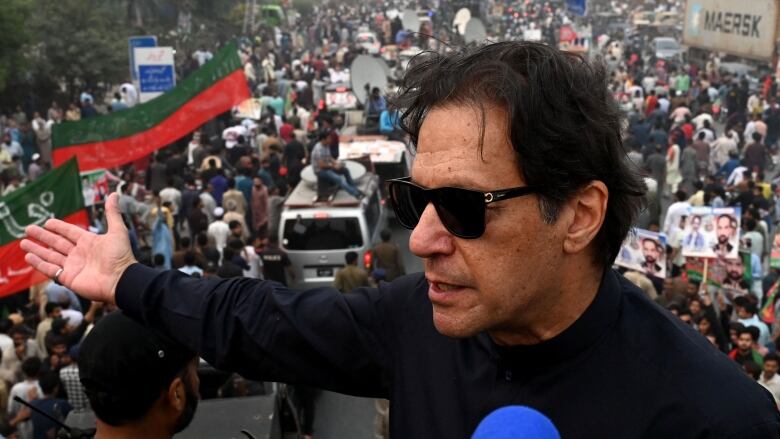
<point x="746" y="308"/>
<point x="27" y="390"/>
<point x="685" y="315"/>
<point x="652" y="251"/>
<point x="520" y="197"/>
<point x="744" y="350"/>
<point x="351" y="276"/>
<point x="387" y="257"/>
<point x="236" y="230"/>
<point x="139" y="384"/>
<point x="755" y="154"/>
<point x="53" y="311"/>
<point x="185" y="245"/>
<point x="276" y="264"/>
<point x="234" y="195"/>
<point x="190" y="264"/>
<point x="210" y="253"/>
<point x="694" y="240"/>
<point x="50" y="404"/>
<point x="769" y="378"/>
<point x="725" y="227"/>
<point x="330" y="169"/>
<point x="229" y="268"/>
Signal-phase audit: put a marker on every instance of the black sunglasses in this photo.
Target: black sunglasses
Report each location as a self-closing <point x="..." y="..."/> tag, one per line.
<point x="462" y="211"/>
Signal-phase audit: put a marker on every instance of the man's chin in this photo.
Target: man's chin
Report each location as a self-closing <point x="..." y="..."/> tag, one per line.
<point x="452" y="327"/>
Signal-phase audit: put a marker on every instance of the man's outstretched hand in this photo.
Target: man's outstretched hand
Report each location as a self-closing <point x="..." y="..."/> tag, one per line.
<point x="92" y="264"/>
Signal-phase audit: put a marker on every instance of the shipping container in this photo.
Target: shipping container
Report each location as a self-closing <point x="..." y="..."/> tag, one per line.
<point x="746" y="28"/>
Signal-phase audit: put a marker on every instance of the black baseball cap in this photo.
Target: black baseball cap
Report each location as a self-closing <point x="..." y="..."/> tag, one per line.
<point x="128" y="364"/>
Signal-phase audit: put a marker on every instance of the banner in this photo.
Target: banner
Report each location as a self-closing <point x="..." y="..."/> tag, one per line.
<point x="644" y="251"/>
<point x="733" y="276"/>
<point x="711" y="232"/>
<point x="118" y="138"/>
<point x="56" y="194"/>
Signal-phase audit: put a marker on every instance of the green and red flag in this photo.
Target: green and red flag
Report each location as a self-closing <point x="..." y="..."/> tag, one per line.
<point x="768" y="310"/>
<point x="121" y="137"/>
<point x="57" y="194"/>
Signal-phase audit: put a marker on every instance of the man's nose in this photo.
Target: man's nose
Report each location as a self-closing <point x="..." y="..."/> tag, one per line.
<point x="430" y="237"/>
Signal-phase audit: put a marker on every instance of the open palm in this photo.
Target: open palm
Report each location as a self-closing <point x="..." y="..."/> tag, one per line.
<point x="91" y="264"/>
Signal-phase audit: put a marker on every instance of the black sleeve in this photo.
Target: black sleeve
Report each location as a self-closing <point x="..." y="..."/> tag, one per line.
<point x="267" y="332"/>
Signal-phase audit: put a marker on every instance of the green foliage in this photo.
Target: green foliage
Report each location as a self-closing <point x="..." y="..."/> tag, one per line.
<point x="15" y="35"/>
<point x="53" y="48"/>
<point x="82" y="42"/>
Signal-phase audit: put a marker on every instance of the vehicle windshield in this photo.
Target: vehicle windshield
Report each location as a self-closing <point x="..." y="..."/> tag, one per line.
<point x="322" y="234"/>
<point x="667" y="45"/>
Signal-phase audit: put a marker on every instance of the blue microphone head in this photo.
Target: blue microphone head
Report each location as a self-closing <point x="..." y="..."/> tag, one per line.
<point x="516" y="422"/>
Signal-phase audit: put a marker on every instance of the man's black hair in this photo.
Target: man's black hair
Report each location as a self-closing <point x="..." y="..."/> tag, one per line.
<point x="756" y="136"/>
<point x="564" y="124"/>
<point x="227" y="254"/>
<point x="189" y="258"/>
<point x="233" y="224"/>
<point x="49" y="382"/>
<point x="18" y="329"/>
<point x="657" y="244"/>
<point x="752" y="368"/>
<point x="31" y="367"/>
<point x="732" y="220"/>
<point x="385" y="234"/>
<point x="202" y="239"/>
<point x="159" y="260"/>
<point x="702" y="135"/>
<point x="680" y="195"/>
<point x="236" y="244"/>
<point x="231" y="183"/>
<point x="772" y="357"/>
<point x="185" y="241"/>
<point x="351" y="258"/>
<point x="684" y="312"/>
<point x="5" y="326"/>
<point x="50" y="307"/>
<point x="750" y="224"/>
<point x="752" y="330"/>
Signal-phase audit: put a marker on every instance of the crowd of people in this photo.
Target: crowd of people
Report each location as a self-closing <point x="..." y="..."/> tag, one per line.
<point x="702" y="136"/>
<point x="209" y="205"/>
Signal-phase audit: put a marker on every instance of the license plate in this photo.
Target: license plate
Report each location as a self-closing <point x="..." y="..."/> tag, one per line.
<point x="324" y="272"/>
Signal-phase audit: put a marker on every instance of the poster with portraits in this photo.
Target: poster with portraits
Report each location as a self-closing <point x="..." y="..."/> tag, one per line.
<point x="733" y="276"/>
<point x="710" y="232"/>
<point x="644" y="251"/>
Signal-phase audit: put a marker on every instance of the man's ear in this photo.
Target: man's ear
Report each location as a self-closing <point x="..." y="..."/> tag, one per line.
<point x="177" y="395"/>
<point x="590" y="208"/>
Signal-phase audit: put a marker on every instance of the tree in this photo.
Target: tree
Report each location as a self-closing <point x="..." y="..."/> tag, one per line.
<point x="15" y="35"/>
<point x="83" y="43"/>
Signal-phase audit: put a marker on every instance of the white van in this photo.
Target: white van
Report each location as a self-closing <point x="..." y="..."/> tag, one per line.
<point x="317" y="235"/>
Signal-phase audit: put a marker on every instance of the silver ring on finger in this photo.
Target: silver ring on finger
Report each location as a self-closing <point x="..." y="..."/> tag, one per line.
<point x="57" y="276"/>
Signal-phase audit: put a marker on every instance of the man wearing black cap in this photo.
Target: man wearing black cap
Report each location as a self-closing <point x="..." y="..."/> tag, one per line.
<point x="139" y="384"/>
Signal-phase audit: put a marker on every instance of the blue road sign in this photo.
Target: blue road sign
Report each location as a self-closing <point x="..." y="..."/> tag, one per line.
<point x="133" y="42"/>
<point x="156" y="78"/>
<point x="578" y="7"/>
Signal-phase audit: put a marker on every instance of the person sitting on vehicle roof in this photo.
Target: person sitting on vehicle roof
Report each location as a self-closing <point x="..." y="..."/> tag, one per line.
<point x="326" y="167"/>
